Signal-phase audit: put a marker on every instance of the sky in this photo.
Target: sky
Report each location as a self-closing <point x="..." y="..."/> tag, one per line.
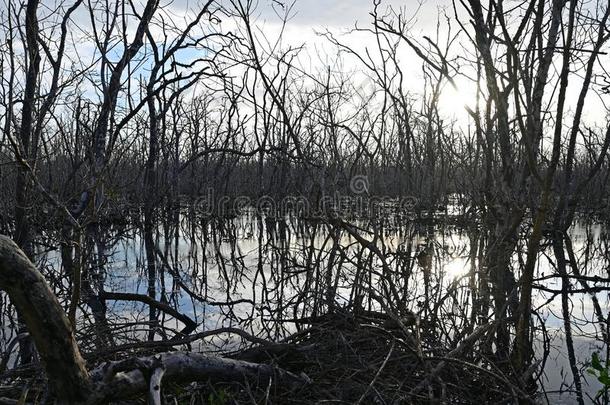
<point x="308" y="18"/>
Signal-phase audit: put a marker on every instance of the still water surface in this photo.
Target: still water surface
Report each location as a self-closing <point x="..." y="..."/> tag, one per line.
<point x="273" y="272"/>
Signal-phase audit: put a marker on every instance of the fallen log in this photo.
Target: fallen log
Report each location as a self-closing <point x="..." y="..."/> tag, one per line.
<point x="127" y="378"/>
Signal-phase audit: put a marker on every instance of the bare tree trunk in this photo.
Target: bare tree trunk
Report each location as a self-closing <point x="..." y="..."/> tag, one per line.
<point x="46" y="322"/>
<point x="23" y="232"/>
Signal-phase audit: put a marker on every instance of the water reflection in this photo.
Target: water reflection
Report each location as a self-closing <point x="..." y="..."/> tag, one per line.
<point x="263" y="275"/>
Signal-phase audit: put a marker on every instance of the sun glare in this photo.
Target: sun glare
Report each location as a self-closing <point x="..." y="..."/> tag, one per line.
<point x="454" y="101"/>
<point x="456" y="267"/>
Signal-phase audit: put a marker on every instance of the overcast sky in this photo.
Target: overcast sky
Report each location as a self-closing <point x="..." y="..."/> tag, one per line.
<point x="309" y="17"/>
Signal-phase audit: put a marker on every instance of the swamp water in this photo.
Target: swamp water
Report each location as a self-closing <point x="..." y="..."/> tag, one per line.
<point x="261" y="275"/>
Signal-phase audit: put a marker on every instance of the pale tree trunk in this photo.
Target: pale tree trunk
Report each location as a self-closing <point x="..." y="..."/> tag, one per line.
<point x="46" y="322"/>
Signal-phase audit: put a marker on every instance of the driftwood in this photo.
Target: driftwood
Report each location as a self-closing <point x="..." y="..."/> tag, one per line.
<point x="145" y="374"/>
